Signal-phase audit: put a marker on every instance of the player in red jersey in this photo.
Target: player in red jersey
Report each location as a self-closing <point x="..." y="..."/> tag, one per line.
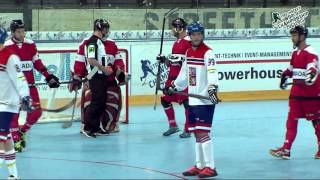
<point x="304" y="99"/>
<point x="174" y="63"/>
<point x="27" y="51"/>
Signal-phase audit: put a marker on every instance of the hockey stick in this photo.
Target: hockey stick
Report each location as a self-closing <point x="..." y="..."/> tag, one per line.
<point x="166" y="15"/>
<point x="193" y="95"/>
<point x="68" y="124"/>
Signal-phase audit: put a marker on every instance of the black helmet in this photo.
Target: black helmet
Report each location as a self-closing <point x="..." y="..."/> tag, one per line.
<point x="16" y="24"/>
<point x="179" y="22"/>
<point x="100" y="24"/>
<point x="300" y="30"/>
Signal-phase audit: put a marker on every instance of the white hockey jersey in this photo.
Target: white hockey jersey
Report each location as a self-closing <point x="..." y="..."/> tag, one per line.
<point x="197" y="73"/>
<point x="13" y="84"/>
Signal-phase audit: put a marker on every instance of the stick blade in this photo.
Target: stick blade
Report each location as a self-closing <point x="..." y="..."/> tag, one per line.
<point x="66" y="125"/>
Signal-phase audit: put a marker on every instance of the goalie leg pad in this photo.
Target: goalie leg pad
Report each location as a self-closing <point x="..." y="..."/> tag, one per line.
<point x="113" y="108"/>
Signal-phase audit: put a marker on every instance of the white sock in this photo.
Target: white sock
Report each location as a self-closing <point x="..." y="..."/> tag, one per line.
<point x="207" y="149"/>
<point x="10" y="157"/>
<point x="199" y="156"/>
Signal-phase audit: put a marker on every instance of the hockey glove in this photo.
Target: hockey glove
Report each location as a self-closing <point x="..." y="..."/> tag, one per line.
<point x="161" y="58"/>
<point x="123" y="77"/>
<point x="26" y="104"/>
<point x="213" y="90"/>
<point x="311" y="76"/>
<point x="53" y="81"/>
<point x="75" y="84"/>
<point x="283" y="81"/>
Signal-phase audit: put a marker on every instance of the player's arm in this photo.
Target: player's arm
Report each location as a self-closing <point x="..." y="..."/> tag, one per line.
<point x="122" y="77"/>
<point x="79" y="70"/>
<point x="312" y="70"/>
<point x="92" y="51"/>
<point x="19" y="82"/>
<point x="181" y="83"/>
<point x="212" y="76"/>
<point x="286" y="74"/>
<point x="52" y="80"/>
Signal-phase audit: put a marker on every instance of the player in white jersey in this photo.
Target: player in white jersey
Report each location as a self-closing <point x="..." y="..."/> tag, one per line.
<point x="13" y="87"/>
<point x="200" y="76"/>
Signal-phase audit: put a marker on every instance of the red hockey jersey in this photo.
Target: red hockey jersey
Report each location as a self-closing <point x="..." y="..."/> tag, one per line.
<point x="29" y="57"/>
<point x="301" y="61"/>
<point x="176" y="59"/>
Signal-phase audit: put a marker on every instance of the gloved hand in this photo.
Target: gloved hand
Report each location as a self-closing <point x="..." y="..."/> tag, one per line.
<point x="213" y="90"/>
<point x="311" y="76"/>
<point x="76" y="83"/>
<point x="123" y="77"/>
<point x="53" y="81"/>
<point x="169" y="91"/>
<point x="283" y="81"/>
<point x="161" y="58"/>
<point x="26" y="104"/>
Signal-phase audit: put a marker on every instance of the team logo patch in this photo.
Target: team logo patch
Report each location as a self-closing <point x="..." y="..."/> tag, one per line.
<point x="91" y="49"/>
<point x="18" y="68"/>
<point x="211" y="62"/>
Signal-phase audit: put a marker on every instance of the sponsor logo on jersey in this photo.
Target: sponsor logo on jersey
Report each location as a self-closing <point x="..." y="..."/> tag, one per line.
<point x="26" y="65"/>
<point x="299" y="73"/>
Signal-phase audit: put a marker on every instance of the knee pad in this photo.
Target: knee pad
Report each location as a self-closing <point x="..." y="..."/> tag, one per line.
<point x="165" y="103"/>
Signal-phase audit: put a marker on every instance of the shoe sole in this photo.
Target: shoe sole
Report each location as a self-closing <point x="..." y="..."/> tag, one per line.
<point x="317" y="157"/>
<point x="87" y="135"/>
<point x="280" y="157"/>
<point x="171" y="133"/>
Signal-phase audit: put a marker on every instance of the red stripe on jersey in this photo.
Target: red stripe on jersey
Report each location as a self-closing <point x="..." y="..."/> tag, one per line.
<point x="196" y="63"/>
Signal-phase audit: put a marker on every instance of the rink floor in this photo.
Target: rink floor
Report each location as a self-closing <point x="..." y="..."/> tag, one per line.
<point x="243" y="134"/>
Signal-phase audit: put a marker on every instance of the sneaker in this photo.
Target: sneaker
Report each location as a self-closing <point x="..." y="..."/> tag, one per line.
<point x="18" y="146"/>
<point x="280" y="153"/>
<point x="193" y="171"/>
<point x="317" y="156"/>
<point x="170" y="131"/>
<point x="207" y="172"/>
<point x="12" y="177"/>
<point x="101" y="133"/>
<point x="185" y="135"/>
<point x="88" y="134"/>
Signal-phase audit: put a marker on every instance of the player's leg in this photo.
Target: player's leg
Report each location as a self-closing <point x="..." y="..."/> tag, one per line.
<point x="294" y="114"/>
<point x="7" y="151"/>
<point x="316" y="125"/>
<point x="32" y="117"/>
<point x="312" y="112"/>
<point x="186" y="133"/>
<point x="15" y="131"/>
<point x="113" y="109"/>
<point x="168" y="109"/>
<point x="97" y="106"/>
<point x="85" y="102"/>
<point x="205" y="166"/>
